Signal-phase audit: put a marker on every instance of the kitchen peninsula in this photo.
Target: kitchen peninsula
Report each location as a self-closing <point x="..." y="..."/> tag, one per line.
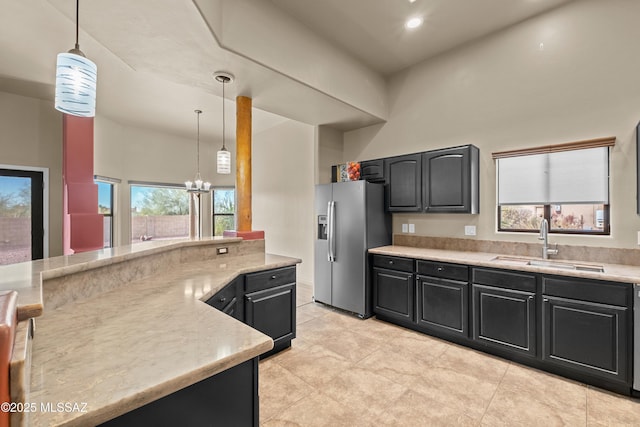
<point x="126" y="326"/>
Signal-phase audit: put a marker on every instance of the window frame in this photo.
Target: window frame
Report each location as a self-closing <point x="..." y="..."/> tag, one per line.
<point x="608" y="142"/>
<point x="213" y="211"/>
<point x="111" y="182"/>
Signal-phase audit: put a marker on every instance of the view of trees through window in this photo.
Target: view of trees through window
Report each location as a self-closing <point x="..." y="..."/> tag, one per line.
<point x="159" y="213"/>
<point x="224" y="209"/>
<point x="590" y="218"/>
<point x="105" y="207"/>
<point x="15" y="217"/>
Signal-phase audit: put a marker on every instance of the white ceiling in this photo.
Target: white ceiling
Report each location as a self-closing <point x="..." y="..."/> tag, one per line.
<point x="373" y="30"/>
<point x="156" y="57"/>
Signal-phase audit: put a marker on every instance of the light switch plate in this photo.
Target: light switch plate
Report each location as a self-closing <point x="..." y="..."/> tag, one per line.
<point x="412" y="228"/>
<point x="405" y="228"/>
<point x="469" y="230"/>
<point x="638" y="237"/>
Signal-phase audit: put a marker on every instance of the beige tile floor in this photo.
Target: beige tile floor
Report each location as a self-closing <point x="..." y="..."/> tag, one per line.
<point x="343" y="371"/>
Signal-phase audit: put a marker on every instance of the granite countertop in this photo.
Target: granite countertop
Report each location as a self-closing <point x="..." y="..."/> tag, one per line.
<point x="123" y="348"/>
<point x="26" y="277"/>
<point x="612" y="272"/>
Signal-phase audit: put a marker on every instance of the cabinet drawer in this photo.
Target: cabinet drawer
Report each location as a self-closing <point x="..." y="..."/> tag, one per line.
<point x="504" y="279"/>
<point x="270" y="278"/>
<point x="443" y="270"/>
<point x="224" y="296"/>
<point x="393" y="263"/>
<point x="611" y="293"/>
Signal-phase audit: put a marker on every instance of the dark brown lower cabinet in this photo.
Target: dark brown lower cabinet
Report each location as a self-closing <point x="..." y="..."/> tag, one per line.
<point x="273" y="312"/>
<point x="587" y="337"/>
<point x="229" y="398"/>
<point x="504" y="319"/>
<point x="572" y="326"/>
<point x="393" y="294"/>
<point x="443" y="305"/>
<point x="266" y="301"/>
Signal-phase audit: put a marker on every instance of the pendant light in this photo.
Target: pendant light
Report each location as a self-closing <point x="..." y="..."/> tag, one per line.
<point x="197" y="186"/>
<point x="224" y="156"/>
<point x="76" y="80"/>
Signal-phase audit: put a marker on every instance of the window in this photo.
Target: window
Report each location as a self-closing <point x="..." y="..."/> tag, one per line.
<point x="224" y="210"/>
<point x="105" y="207"/>
<point x="159" y="212"/>
<point x="569" y="186"/>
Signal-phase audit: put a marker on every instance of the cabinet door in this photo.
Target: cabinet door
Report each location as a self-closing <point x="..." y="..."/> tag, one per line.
<point x="372" y="170"/>
<point x="273" y="312"/>
<point x="504" y="319"/>
<point x="404" y="187"/>
<point x="393" y="294"/>
<point x="587" y="337"/>
<point x="443" y="305"/>
<point x="450" y="180"/>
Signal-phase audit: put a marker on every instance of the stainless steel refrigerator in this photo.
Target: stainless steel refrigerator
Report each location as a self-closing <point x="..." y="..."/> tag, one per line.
<point x="350" y="218"/>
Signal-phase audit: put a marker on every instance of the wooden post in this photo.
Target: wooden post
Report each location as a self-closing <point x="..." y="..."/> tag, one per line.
<point x="243" y="162"/>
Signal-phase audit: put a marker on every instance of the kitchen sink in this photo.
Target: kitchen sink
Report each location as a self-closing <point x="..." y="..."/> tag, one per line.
<point x="566" y="265"/>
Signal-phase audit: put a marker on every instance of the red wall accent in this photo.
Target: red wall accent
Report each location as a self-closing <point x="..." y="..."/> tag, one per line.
<point x="82" y="224"/>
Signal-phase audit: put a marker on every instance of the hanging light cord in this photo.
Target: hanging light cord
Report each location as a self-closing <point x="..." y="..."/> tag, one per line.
<point x="223" y="83"/>
<point x="77" y="22"/>
<point x="198" y="112"/>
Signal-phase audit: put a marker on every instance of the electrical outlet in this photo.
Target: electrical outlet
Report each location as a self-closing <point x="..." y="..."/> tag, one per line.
<point x="638" y="237"/>
<point x="405" y="228"/>
<point x="469" y="230"/>
<point x="412" y="228"/>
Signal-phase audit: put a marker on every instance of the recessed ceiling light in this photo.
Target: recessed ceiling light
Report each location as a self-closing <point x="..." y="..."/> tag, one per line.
<point x="412" y="1"/>
<point x="413" y="23"/>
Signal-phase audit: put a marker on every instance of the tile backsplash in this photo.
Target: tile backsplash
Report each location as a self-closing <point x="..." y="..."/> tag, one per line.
<point x="565" y="252"/>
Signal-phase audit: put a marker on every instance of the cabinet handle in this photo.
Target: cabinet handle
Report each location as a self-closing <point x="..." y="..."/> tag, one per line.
<point x="223" y="299"/>
<point x="390" y="262"/>
<point x="545" y="299"/>
<point x="249" y="299"/>
<point x="440" y="269"/>
<point x="530" y="297"/>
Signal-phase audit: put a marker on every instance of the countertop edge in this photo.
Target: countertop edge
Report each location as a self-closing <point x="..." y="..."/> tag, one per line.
<point x="612" y="272"/>
<point x="123" y="406"/>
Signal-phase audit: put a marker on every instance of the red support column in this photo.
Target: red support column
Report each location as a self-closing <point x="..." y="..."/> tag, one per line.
<point x="83" y="225"/>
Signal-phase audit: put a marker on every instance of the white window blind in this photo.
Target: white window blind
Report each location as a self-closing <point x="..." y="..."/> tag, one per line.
<point x="576" y="176"/>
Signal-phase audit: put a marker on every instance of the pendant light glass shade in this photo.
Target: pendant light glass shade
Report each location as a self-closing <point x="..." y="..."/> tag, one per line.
<point x="76" y="78"/>
<point x="223" y="161"/>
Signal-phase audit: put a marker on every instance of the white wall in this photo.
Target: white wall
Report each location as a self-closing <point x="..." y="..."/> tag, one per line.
<point x="282" y="191"/>
<point x="505" y="91"/>
<point x="329" y="152"/>
<point x="31" y="135"/>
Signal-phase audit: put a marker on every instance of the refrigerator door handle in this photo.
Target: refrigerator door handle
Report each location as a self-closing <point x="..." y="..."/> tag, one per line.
<point x="331" y="238"/>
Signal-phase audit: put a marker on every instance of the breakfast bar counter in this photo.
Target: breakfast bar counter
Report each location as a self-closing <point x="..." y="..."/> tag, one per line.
<point x="97" y="355"/>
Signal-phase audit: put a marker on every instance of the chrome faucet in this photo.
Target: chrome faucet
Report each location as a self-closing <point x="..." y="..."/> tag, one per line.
<point x="544" y="235"/>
